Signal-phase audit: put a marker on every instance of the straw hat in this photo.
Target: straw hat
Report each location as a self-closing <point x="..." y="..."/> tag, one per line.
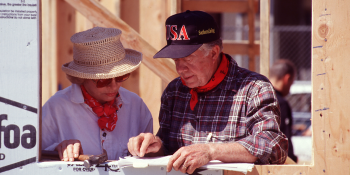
<point x="99" y="54"/>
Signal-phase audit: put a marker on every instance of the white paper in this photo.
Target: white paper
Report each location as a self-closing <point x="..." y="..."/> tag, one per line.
<point x="163" y="161"/>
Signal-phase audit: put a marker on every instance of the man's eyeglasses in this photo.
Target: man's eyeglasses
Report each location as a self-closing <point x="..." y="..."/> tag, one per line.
<point x="105" y="82"/>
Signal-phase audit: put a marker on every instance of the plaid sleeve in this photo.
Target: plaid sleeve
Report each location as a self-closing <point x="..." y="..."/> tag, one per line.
<point x="265" y="140"/>
<point x="164" y="122"/>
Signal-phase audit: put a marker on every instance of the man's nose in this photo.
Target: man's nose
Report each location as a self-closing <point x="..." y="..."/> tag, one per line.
<point x="180" y="66"/>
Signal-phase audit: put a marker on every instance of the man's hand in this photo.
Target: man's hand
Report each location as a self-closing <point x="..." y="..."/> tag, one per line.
<point x="143" y="144"/>
<point x="188" y="158"/>
<point x="69" y="149"/>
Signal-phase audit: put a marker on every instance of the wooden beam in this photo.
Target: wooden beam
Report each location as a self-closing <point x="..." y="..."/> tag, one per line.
<point x="65" y="27"/>
<point x="49" y="53"/>
<point x="132" y="19"/>
<point x="240" y="47"/>
<point x="100" y="16"/>
<point x="251" y="34"/>
<point x="218" y="6"/>
<point x="173" y="7"/>
<point x="152" y="17"/>
<point x="264" y="37"/>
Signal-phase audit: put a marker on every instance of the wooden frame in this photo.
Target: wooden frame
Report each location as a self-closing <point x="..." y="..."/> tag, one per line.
<point x="330" y="42"/>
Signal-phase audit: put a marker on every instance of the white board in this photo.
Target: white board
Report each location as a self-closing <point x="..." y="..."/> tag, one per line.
<point x="66" y="168"/>
<point x="19" y="82"/>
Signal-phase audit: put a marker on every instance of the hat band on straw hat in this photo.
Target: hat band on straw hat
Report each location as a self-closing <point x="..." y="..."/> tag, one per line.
<point x="96" y="63"/>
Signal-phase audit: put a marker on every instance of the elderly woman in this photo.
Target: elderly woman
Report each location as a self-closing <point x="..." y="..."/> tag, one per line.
<point x="95" y="112"/>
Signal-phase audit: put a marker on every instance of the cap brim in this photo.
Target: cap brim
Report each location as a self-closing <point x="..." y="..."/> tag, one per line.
<point x="177" y="51"/>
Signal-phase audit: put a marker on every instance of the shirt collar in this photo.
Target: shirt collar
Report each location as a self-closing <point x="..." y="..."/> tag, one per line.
<point x="76" y="96"/>
<point x="230" y="81"/>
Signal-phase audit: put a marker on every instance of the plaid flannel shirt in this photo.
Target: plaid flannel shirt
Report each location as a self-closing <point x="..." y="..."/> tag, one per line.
<point x="243" y="108"/>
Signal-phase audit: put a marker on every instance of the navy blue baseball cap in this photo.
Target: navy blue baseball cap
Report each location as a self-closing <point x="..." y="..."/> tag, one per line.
<point x="186" y="32"/>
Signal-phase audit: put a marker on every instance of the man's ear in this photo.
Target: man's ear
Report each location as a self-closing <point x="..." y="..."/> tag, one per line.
<point x="215" y="52"/>
<point x="286" y="79"/>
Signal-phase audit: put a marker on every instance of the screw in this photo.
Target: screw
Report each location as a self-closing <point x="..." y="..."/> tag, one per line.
<point x="24" y="107"/>
<point x="325" y="39"/>
<point x="60" y="168"/>
<point x="161" y="168"/>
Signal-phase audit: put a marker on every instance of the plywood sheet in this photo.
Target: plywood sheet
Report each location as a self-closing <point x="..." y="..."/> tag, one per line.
<point x="331" y="42"/>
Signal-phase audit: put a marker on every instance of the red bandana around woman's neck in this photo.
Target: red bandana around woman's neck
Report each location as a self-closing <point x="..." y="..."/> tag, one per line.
<point x="216" y="79"/>
<point x="107" y="112"/>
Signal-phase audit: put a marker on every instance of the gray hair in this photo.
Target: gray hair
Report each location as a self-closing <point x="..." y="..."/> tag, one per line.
<point x="75" y="80"/>
<point x="207" y="47"/>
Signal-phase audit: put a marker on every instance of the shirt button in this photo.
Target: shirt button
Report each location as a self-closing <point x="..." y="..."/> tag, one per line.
<point x="104" y="134"/>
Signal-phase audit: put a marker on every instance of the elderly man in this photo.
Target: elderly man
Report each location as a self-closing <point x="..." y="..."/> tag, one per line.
<point x="215" y="110"/>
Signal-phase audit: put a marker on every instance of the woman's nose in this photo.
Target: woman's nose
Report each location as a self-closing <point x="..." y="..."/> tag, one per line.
<point x="114" y="85"/>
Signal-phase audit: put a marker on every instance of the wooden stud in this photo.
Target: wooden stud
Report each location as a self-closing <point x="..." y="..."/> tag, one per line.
<point x="132" y="19"/>
<point x="66" y="23"/>
<point x="264" y="37"/>
<point x="112" y="5"/>
<point x="49" y="53"/>
<point x="173" y="7"/>
<point x="240" y="47"/>
<point x="251" y="20"/>
<point x="151" y="13"/>
<point x="218" y="6"/>
<point x="81" y="23"/>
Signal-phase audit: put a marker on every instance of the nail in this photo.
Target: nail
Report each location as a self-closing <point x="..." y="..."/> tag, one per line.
<point x="76" y="155"/>
<point x="71" y="159"/>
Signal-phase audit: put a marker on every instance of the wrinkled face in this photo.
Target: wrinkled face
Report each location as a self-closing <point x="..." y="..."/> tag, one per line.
<point x="196" y="69"/>
<point x="103" y="94"/>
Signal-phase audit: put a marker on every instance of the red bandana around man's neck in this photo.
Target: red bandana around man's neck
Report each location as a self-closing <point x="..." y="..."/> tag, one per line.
<point x="216" y="79"/>
<point x="107" y="112"/>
